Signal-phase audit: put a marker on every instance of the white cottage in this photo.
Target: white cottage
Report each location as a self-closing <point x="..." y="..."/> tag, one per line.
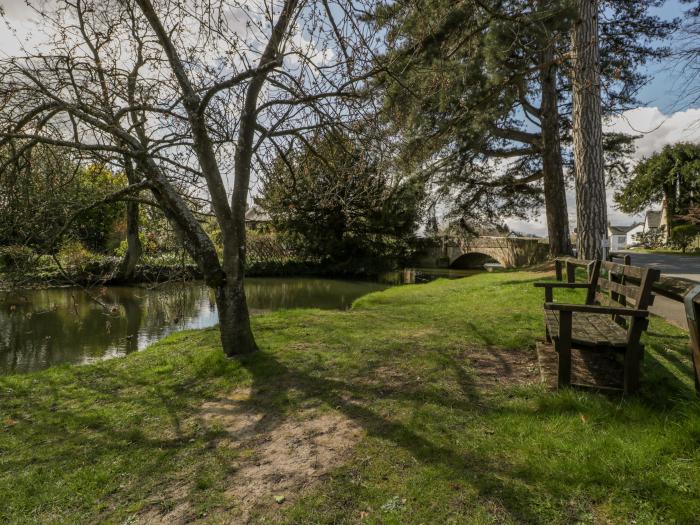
<point x="634" y="234"/>
<point x="618" y="237"/>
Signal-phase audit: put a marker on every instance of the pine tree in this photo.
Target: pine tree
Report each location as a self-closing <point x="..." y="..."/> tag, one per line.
<point x="478" y="84"/>
<point x="591" y="206"/>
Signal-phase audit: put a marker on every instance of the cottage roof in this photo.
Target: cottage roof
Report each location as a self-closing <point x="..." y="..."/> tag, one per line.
<point x="619" y="230"/>
<point x="256" y="214"/>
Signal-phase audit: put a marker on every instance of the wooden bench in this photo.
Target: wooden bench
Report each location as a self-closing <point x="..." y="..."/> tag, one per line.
<point x="613" y="317"/>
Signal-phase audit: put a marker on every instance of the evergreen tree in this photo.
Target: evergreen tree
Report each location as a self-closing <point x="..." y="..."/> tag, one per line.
<point x="482" y="91"/>
<point x="591" y="205"/>
<point x="670" y="177"/>
<point x="343" y="203"/>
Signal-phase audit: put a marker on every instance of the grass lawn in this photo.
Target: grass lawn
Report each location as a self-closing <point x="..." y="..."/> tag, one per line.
<point x="422" y="434"/>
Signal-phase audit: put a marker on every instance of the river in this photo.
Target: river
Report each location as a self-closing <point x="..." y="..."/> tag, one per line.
<point x="40" y="328"/>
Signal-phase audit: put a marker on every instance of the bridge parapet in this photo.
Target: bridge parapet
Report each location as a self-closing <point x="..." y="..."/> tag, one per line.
<point x="510" y="252"/>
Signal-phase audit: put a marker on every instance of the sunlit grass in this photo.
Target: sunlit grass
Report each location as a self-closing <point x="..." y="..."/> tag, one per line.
<point x="98" y="443"/>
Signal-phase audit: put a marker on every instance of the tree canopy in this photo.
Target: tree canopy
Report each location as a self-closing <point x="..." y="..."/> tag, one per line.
<point x="45" y="188"/>
<point x="343" y="202"/>
<point x="482" y="92"/>
<point x="671" y="175"/>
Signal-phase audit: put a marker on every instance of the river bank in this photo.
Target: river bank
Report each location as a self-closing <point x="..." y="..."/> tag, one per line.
<point x="43" y="327"/>
<point x="102" y="271"/>
<point x="421" y="404"/>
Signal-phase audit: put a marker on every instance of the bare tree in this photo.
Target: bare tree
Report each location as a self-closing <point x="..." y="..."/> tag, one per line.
<point x="188" y="94"/>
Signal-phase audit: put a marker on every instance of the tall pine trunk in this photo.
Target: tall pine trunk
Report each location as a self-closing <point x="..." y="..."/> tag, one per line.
<point x="591" y="208"/>
<point x="553" y="172"/>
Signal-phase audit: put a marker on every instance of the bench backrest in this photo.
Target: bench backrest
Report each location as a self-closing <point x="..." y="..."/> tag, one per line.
<point x="623" y="285"/>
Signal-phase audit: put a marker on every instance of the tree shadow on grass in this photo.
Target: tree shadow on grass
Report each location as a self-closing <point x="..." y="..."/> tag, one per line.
<point x="492" y="477"/>
<point x="355" y="401"/>
<point x="279" y="389"/>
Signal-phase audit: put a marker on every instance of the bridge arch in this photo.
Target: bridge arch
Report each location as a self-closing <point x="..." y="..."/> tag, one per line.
<point x="473" y="260"/>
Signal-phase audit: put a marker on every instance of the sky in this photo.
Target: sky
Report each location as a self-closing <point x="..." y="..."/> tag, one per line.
<point x="663" y="117"/>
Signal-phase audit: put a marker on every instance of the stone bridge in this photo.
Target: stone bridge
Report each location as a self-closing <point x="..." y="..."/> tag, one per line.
<point x="510" y="252"/>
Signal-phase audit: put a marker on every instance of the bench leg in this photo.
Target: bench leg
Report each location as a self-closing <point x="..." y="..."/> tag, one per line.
<point x="563" y="347"/>
<point x="633" y="355"/>
<point x="548" y="297"/>
<point x="633" y="360"/>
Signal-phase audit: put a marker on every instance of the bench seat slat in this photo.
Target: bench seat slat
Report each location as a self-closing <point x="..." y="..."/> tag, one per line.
<point x="589" y="330"/>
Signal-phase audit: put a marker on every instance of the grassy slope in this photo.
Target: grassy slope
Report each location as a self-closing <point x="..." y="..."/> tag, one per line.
<point x="94" y="443"/>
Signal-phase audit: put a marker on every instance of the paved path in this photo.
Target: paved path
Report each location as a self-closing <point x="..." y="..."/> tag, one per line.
<point x="685" y="266"/>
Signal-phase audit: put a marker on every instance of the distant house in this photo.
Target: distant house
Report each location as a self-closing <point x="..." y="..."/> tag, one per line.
<point x="634" y="233"/>
<point x="255" y="217"/>
<point x="652" y="220"/>
<point x="618" y="237"/>
<point x="622" y="237"/>
<point x="628" y="236"/>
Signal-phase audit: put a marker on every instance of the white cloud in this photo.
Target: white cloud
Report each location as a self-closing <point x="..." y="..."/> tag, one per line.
<point x="15" y="9"/>
<point x="656" y="129"/>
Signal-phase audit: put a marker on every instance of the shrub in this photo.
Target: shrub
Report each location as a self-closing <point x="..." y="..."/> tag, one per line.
<point x="16" y="258"/>
<point x="74" y="256"/>
<point x="683" y="235"/>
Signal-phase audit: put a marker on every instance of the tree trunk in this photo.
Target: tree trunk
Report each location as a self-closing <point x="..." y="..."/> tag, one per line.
<point x="234" y="321"/>
<point x="127" y="267"/>
<point x="666" y="214"/>
<point x="591" y="208"/>
<point x="553" y="172"/>
<point x="236" y="334"/>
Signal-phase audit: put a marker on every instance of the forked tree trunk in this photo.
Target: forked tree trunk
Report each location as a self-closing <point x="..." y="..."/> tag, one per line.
<point x="591" y="209"/>
<point x="552" y="169"/>
<point x="234" y="321"/>
<point x="227" y="276"/>
<point x="127" y="267"/>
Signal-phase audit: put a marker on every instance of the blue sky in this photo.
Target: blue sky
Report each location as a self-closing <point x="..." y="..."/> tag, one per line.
<point x="664" y="90"/>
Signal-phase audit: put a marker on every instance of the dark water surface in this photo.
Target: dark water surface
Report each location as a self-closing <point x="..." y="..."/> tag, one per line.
<point x="42" y="328"/>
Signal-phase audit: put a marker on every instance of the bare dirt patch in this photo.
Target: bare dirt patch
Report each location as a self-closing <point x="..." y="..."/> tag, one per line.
<point x="503" y="367"/>
<point x="281" y="457"/>
<point x="295" y="455"/>
<point x="588" y="368"/>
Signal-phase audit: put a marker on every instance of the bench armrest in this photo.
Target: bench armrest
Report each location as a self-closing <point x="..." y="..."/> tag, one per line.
<point x="595" y="309"/>
<point x="562" y="285"/>
<point x="549" y="288"/>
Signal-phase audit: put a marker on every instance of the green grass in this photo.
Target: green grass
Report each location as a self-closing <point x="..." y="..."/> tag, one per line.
<point x="100" y="443"/>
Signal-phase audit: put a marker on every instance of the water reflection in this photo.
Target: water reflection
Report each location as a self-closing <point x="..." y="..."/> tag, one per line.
<point x="42" y="328"/>
<point x="424" y="275"/>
